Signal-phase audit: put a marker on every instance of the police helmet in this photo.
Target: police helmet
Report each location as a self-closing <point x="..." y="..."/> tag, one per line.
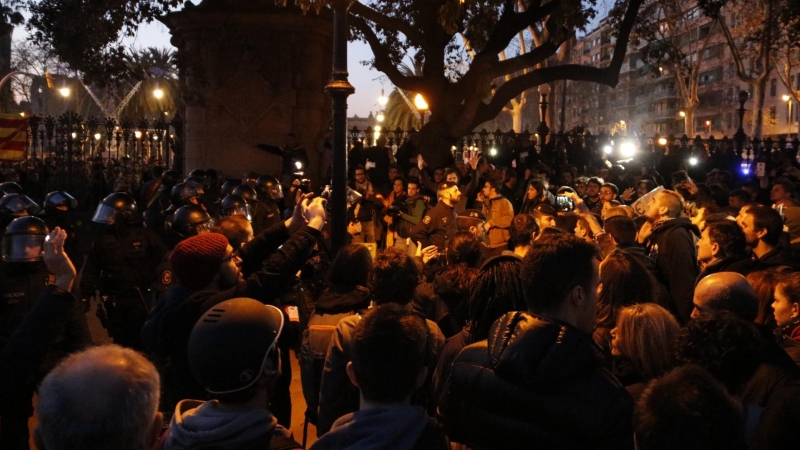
<point x="231" y="346"/>
<point x="18" y="205"/>
<point x="23" y="240"/>
<point x="234" y="205"/>
<point x="169" y="179"/>
<point x="191" y="220"/>
<point x="269" y="186"/>
<point x="57" y="199"/>
<point x="199" y="176"/>
<point x="228" y="187"/>
<point x="246" y="192"/>
<point x="10" y="187"/>
<point x="186" y="193"/>
<point x="116" y="209"/>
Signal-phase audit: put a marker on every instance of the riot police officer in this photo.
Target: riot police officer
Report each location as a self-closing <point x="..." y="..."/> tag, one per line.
<point x="58" y="210"/>
<point x="189" y="221"/>
<point x="268" y="210"/>
<point x="23" y="278"/>
<point x="158" y="202"/>
<point x="16" y="205"/>
<point x="440" y="223"/>
<point x="10" y="187"/>
<point x="121" y="267"/>
<point x="234" y="205"/>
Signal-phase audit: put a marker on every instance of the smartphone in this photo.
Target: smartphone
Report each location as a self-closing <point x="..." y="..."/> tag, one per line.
<point x="761" y="169"/>
<point x="564" y="204"/>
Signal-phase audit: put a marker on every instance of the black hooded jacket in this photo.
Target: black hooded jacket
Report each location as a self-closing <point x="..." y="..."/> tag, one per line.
<point x="535" y="381"/>
<point x="673" y="248"/>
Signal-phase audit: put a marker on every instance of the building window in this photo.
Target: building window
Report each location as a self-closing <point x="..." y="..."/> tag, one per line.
<point x="773" y="87"/>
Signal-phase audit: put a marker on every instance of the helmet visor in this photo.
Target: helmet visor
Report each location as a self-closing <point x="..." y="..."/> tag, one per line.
<point x="203" y="228"/>
<point x="105" y="214"/>
<point x="275" y="191"/>
<point x="23" y="248"/>
<point x="243" y="210"/>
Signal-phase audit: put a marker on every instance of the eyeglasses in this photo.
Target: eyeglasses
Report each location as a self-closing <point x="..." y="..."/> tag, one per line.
<point x="234" y="256"/>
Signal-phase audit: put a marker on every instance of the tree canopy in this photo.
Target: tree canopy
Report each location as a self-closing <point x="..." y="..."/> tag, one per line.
<point x="457" y="42"/>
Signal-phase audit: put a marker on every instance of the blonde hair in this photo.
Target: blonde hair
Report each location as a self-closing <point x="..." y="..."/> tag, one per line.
<point x="646" y="334"/>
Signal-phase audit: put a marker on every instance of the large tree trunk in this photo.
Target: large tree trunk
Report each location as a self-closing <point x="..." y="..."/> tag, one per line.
<point x="759" y="94"/>
<point x="688" y="121"/>
<point x="6" y="99"/>
<point x="516" y="119"/>
<point x="436" y="142"/>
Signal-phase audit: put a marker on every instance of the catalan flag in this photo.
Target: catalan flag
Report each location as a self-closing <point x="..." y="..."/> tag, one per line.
<point x="13" y="136"/>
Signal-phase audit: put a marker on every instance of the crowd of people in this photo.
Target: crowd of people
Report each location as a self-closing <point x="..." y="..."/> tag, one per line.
<point x="477" y="305"/>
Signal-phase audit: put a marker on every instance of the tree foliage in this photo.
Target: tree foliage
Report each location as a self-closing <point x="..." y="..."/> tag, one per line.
<point x="456" y="83"/>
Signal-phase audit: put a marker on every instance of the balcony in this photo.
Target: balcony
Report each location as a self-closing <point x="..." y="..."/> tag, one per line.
<point x="662" y="115"/>
<point x="606" y="57"/>
<point x="605" y="40"/>
<point x="659" y="94"/>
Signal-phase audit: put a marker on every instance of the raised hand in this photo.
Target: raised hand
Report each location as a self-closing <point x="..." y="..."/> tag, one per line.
<point x="58" y="263"/>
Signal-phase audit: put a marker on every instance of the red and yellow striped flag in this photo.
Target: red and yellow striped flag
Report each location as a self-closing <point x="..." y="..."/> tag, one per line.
<point x="13" y="136"/>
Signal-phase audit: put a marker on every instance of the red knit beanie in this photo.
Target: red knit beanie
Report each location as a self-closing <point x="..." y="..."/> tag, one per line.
<point x="196" y="260"/>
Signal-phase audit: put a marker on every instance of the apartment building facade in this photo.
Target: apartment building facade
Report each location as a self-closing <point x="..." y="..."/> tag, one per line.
<point x="647" y="99"/>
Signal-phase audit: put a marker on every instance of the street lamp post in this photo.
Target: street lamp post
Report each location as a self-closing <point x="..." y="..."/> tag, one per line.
<point x="788" y="99"/>
<point x="339" y="88"/>
<point x="542" y="129"/>
<point x="64" y="91"/>
<point x="708" y="128"/>
<point x="739" y="137"/>
<point x="422" y="107"/>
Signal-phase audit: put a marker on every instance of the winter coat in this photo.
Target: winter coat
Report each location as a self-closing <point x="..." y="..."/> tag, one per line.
<point x="778" y="256"/>
<point x="535" y="381"/>
<point x="397" y="428"/>
<point x="337" y="395"/>
<point x="499" y="213"/>
<point x="197" y="425"/>
<point x="672" y="247"/>
<point x="741" y="265"/>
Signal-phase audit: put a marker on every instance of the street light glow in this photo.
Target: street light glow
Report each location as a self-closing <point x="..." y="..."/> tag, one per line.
<point x="138" y="134"/>
<point x="708" y="123"/>
<point x="682" y="113"/>
<point x="786" y="97"/>
<point x="158" y="93"/>
<point x="693" y="161"/>
<point x="377" y="128"/>
<point x="493" y="151"/>
<point x="380" y="117"/>
<point x="420" y="103"/>
<point x="299" y="165"/>
<point x="627" y="149"/>
<point x="662" y="141"/>
<point x="607" y="149"/>
<point x="97" y="136"/>
<point x="64" y="91"/>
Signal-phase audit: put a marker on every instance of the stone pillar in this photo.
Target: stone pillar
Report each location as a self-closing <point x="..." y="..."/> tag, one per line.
<point x="251" y="73"/>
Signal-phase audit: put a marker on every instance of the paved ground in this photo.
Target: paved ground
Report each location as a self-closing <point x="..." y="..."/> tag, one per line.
<point x="100" y="336"/>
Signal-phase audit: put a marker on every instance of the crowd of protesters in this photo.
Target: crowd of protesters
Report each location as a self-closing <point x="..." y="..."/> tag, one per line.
<point x="536" y="299"/>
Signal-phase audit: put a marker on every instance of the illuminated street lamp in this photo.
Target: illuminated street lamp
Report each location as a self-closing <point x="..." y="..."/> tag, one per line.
<point x="422" y="107"/>
<point x="682" y="113"/>
<point x="158" y="93"/>
<point x="708" y="127"/>
<point x="383" y="100"/>
<point x="789" y="105"/>
<point x="543" y="129"/>
<point x="64" y="91"/>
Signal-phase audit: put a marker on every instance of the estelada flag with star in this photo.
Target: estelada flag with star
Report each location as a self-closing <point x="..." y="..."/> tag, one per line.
<point x="13" y="136"/>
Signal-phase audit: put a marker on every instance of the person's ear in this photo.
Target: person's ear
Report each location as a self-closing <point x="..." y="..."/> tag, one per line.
<point x="578" y="295"/>
<point x="155" y="429"/>
<point x="351" y="373"/>
<point x="795" y="309"/>
<point x="421" y="376"/>
<point x="761" y="233"/>
<point x="714" y="249"/>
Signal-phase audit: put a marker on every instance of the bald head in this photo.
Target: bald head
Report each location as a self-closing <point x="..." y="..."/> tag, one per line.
<point x="104" y="397"/>
<point x="725" y="291"/>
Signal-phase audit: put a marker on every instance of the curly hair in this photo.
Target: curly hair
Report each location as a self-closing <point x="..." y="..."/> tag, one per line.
<point x="496" y="291"/>
<point x="394" y="277"/>
<point x="728" y="347"/>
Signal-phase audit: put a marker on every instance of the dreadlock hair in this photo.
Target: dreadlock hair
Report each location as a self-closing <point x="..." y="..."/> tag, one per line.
<point x="497" y="290"/>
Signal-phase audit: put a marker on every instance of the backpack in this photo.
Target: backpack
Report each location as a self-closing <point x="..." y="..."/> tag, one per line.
<point x="313" y="349"/>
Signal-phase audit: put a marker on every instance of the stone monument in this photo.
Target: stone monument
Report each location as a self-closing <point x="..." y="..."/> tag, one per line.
<point x="250" y="73"/>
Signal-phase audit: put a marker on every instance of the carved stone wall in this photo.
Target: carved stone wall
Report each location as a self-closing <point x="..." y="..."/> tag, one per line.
<point x="251" y="73"/>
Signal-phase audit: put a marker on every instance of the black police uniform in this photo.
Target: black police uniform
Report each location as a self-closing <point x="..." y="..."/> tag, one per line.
<point x="122" y="265"/>
<point x="21" y="284"/>
<point x="436" y="227"/>
<point x="267" y="214"/>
